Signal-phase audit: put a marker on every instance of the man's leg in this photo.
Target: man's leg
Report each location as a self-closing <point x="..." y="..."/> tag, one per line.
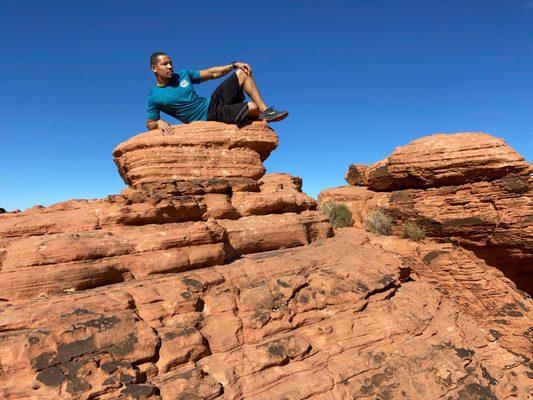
<point x="253" y="110"/>
<point x="248" y="85"/>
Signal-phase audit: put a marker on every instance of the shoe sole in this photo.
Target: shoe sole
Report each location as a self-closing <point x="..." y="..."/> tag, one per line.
<point x="278" y="118"/>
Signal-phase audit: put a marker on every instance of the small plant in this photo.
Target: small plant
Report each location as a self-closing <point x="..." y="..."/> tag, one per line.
<point x="339" y="214"/>
<point x="412" y="231"/>
<point x="379" y="222"/>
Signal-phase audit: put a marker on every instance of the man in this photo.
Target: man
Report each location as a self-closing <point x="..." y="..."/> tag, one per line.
<point x="174" y="94"/>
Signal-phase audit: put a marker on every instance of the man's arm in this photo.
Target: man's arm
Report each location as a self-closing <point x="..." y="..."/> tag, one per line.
<point x="217" y="72"/>
<point x="164" y="126"/>
<point x="154" y="120"/>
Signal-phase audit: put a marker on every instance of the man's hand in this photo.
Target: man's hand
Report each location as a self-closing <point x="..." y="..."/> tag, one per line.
<point x="245" y="67"/>
<point x="217" y="72"/>
<point x="164" y="127"/>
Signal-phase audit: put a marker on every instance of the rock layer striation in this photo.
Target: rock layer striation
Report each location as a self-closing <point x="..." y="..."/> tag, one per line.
<point x="198" y="157"/>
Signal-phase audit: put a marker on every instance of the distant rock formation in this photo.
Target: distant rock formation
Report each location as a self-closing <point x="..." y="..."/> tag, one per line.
<point x="206" y="279"/>
<point x="469" y="188"/>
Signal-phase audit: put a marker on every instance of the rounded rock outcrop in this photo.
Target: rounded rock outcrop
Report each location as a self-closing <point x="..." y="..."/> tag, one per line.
<point x="198" y="157"/>
<point x="441" y="160"/>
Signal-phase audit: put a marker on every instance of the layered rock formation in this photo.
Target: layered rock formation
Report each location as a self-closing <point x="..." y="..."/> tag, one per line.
<point x="198" y="198"/>
<point x="207" y="157"/>
<point x="134" y="297"/>
<point x="469" y="188"/>
<point x="355" y="316"/>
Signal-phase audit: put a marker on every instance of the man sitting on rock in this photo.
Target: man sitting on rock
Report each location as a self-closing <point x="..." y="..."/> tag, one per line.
<point x="174" y="94"/>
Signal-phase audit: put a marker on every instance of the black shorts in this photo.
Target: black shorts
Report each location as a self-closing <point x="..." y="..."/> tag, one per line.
<point x="227" y="103"/>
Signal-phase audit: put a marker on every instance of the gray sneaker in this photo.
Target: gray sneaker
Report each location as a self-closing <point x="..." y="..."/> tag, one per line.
<point x="272" y="115"/>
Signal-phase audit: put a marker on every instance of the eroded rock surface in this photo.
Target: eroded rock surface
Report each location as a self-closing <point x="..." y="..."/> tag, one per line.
<point x="353" y="316"/>
<point x="168" y="221"/>
<point x="135" y="296"/>
<point x="201" y="156"/>
<point x="488" y="208"/>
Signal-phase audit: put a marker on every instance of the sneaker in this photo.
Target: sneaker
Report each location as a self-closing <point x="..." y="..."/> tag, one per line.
<point x="271" y="115"/>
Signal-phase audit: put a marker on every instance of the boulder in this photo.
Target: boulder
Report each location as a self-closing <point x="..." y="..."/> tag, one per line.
<point x="278" y="182"/>
<point x="440" y="160"/>
<point x="259" y="233"/>
<point x="279" y="193"/>
<point x="488" y="208"/>
<point x="198" y="157"/>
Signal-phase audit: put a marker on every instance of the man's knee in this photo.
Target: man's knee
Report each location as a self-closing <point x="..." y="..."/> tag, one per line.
<point x="241" y="76"/>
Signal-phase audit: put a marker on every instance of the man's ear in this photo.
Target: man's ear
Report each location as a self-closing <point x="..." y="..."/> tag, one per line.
<point x="154" y="68"/>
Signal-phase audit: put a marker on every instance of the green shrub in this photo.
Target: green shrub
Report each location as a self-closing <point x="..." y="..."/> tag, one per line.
<point x="412" y="231"/>
<point x="379" y="222"/>
<point x="339" y="214"/>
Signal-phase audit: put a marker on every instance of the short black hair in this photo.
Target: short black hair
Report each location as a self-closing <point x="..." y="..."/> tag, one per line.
<point x="153" y="57"/>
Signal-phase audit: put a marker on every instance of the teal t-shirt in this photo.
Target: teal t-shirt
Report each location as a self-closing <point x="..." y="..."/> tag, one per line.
<point x="178" y="98"/>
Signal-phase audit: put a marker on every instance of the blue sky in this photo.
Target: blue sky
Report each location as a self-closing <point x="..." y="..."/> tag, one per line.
<point x="359" y="77"/>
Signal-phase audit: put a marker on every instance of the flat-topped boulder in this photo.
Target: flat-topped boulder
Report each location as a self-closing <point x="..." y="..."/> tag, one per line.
<point x="440" y="160"/>
<point x="198" y="157"/>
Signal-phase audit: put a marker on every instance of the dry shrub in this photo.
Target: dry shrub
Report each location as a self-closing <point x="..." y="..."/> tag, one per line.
<point x="412" y="231"/>
<point x="339" y="214"/>
<point x="379" y="222"/>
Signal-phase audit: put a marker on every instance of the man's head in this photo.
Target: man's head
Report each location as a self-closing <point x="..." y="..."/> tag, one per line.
<point x="161" y="65"/>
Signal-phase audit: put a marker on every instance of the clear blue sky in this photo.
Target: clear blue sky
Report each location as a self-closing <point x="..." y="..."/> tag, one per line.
<point x="359" y="77"/>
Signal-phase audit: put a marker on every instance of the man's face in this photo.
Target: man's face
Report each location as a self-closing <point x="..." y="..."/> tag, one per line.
<point x="163" y="67"/>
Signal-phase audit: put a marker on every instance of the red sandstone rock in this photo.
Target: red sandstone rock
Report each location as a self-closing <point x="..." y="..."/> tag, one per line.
<point x="279" y="193"/>
<point x="441" y="159"/>
<point x="272" y="183"/>
<point x="270" y="203"/>
<point x="219" y="206"/>
<point x="154" y="228"/>
<point x="354" y="316"/>
<point x="270" y="232"/>
<point x="134" y="296"/>
<point x="200" y="151"/>
<point x="360" y="200"/>
<point x="492" y="217"/>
